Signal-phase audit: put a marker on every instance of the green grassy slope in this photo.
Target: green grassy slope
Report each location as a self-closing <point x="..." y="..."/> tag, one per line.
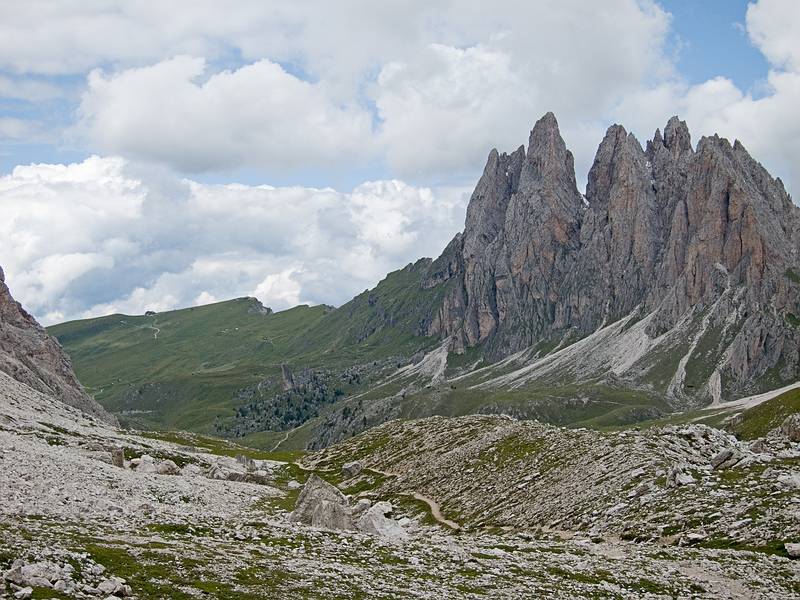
<point x="758" y="421"/>
<point x="182" y="368"/>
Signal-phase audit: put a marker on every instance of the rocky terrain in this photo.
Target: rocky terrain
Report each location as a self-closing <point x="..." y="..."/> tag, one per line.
<point x="190" y="521"/>
<point x="30" y="355"/>
<point x="685" y="485"/>
<point x="455" y="508"/>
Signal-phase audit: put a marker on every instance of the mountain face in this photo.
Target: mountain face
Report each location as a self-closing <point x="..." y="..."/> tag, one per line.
<point x="692" y="248"/>
<point x="29" y="355"/>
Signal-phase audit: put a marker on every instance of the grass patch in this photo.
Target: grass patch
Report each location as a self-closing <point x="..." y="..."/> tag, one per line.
<point x="758" y="421"/>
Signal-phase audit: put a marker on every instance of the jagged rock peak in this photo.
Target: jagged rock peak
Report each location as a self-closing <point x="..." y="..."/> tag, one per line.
<point x="547" y="151"/>
<point x="672" y="232"/>
<point x="677" y="137"/>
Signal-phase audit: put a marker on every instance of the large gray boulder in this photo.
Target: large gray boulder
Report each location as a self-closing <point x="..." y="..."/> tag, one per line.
<point x="322" y="505"/>
<point x="375" y="521"/>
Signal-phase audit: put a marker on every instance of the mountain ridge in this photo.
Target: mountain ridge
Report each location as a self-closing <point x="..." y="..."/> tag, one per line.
<point x="671" y="284"/>
<point x="664" y="230"/>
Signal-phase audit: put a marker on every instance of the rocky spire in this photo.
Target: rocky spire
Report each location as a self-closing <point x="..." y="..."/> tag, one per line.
<point x="676" y="137"/>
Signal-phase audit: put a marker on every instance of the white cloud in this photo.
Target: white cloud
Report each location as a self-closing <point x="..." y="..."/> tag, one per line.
<point x="257" y="115"/>
<point x="27" y="89"/>
<point x="766" y="124"/>
<point x="449" y="79"/>
<point x="103" y="236"/>
<point x="772" y="26"/>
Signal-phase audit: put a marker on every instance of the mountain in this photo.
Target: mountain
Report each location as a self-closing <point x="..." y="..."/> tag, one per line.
<point x="673" y="283"/>
<point x="29" y="355"/>
<point x="690" y="256"/>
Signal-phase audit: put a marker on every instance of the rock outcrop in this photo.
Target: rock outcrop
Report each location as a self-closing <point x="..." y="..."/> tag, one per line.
<point x="29" y="355"/>
<point x="321" y="505"/>
<point x="701" y="246"/>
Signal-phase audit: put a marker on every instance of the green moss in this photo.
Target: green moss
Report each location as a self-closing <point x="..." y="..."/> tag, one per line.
<point x="593" y="578"/>
<point x="775" y="547"/>
<point x="792" y="276"/>
<point x="793" y="320"/>
<point x="48" y="593"/>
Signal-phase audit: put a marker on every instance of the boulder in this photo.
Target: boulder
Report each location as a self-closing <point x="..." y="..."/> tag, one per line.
<point x="351" y="469"/>
<point x="118" y="457"/>
<point x="145" y="464"/>
<point x="361" y="506"/>
<point x="167" y="467"/>
<point x="678" y="476"/>
<point x="114" y="586"/>
<point x="791" y="427"/>
<point x="725" y="458"/>
<point x="321" y="505"/>
<point x="375" y="521"/>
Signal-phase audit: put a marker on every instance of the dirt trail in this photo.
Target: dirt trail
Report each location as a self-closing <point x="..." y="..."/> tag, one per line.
<point x="436" y="512"/>
<point x="285" y="437"/>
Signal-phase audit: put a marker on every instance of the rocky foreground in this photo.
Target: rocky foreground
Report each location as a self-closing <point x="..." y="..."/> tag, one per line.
<point x="87" y="511"/>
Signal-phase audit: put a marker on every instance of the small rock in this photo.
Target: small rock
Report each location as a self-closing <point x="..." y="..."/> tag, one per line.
<point x="24" y="593"/>
<point x="118" y="457"/>
<point x="167" y="467"/>
<point x="792" y="549"/>
<point x="636" y="473"/>
<point x="721" y="458"/>
<point x="694" y="537"/>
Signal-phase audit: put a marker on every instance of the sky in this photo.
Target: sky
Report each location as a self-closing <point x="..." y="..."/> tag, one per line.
<point x="160" y="155"/>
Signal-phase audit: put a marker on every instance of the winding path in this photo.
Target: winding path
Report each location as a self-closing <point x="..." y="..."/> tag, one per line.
<point x="285" y="437"/>
<point x="436" y="512"/>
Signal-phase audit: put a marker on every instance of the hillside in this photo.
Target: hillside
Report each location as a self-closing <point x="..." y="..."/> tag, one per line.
<point x="187" y="368"/>
<point x="688" y="484"/>
<point x="185" y="519"/>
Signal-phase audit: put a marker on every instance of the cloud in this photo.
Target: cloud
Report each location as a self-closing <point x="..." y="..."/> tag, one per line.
<point x="27" y="89"/>
<point x="104" y="236"/>
<point x="428" y="89"/>
<point x="772" y="27"/>
<point x="173" y="114"/>
<point x="446" y="106"/>
<point x="765" y="123"/>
